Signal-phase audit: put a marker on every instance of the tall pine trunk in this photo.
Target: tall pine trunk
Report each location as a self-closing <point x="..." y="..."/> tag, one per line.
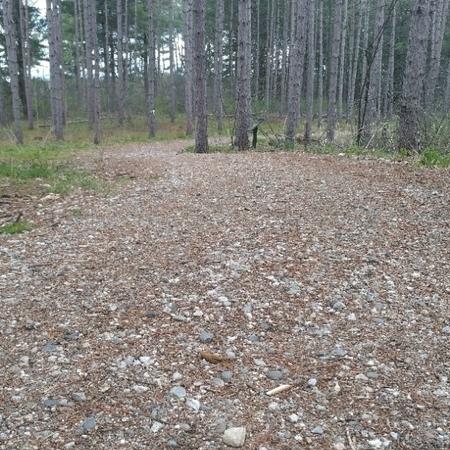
<point x="243" y="84"/>
<point x="311" y="57"/>
<point x="334" y="68"/>
<point x="188" y="66"/>
<point x="218" y="64"/>
<point x="11" y="50"/>
<point x="257" y="48"/>
<point x="320" y="67"/>
<point x="172" y="80"/>
<point x="389" y="97"/>
<point x="56" y="64"/>
<point x="411" y="112"/>
<point x="151" y="70"/>
<point x="26" y="59"/>
<point x="342" y="60"/>
<point x="120" y="65"/>
<point x="201" y="113"/>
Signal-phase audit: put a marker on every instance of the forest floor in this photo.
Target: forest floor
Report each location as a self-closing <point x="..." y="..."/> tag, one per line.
<point x="327" y="274"/>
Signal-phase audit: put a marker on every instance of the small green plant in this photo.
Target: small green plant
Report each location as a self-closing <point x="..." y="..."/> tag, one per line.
<point x="17" y="227"/>
<point x="433" y="158"/>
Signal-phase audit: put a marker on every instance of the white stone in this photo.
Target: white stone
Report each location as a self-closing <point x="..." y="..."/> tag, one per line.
<point x="194" y="404"/>
<point x="235" y="437"/>
<point x="156" y="426"/>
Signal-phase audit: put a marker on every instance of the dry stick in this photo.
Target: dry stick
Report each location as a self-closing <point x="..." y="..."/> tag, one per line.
<point x="350" y="440"/>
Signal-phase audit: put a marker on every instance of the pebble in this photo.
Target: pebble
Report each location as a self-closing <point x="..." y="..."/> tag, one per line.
<point x="340" y="352"/>
<point x="194" y="404"/>
<point x="178" y="392"/>
<point x="312" y="382"/>
<point x="177" y="376"/>
<point x="361" y="377"/>
<point x="72" y="336"/>
<point x="50" y="347"/>
<point x="446" y="329"/>
<point x="226" y="376"/>
<point x="235" y="437"/>
<point x="253" y="338"/>
<point x="294" y="418"/>
<point x="218" y="382"/>
<point x="317" y="430"/>
<point x="274" y="375"/>
<point x="145" y="360"/>
<point x="156" y="426"/>
<point x="89" y="424"/>
<point x="79" y="397"/>
<point x="206" y="337"/>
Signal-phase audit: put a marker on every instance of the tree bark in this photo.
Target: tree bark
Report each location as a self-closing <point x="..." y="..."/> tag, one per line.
<point x="11" y="50"/>
<point x="269" y="53"/>
<point x="284" y="57"/>
<point x="320" y="68"/>
<point x="310" y="71"/>
<point x="3" y="117"/>
<point x="440" y="22"/>
<point x="26" y="59"/>
<point x="257" y="48"/>
<point x="172" y="89"/>
<point x="296" y="69"/>
<point x="342" y="59"/>
<point x="109" y="96"/>
<point x="188" y="62"/>
<point x="201" y="114"/>
<point x="120" y="65"/>
<point x="411" y="104"/>
<point x="218" y="64"/>
<point x="243" y="85"/>
<point x="89" y="62"/>
<point x="56" y="64"/>
<point x="334" y="66"/>
<point x="389" y="97"/>
<point x="151" y="70"/>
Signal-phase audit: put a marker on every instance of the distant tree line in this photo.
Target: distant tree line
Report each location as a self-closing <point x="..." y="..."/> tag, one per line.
<point x="373" y="65"/>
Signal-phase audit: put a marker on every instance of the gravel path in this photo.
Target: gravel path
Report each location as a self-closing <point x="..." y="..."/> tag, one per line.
<point x="326" y="274"/>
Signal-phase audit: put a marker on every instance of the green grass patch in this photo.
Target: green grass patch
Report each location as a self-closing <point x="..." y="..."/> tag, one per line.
<point x="434" y="158"/>
<point x="16" y="228"/>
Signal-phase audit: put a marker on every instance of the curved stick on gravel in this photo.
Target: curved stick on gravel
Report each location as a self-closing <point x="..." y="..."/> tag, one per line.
<point x="279" y="389"/>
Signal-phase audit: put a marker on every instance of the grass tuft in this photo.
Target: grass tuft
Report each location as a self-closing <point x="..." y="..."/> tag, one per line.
<point x="16" y="228"/>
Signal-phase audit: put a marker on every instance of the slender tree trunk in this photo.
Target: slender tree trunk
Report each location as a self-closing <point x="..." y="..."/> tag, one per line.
<point x="106" y="57"/>
<point x="151" y="69"/>
<point x="342" y="60"/>
<point x="411" y="105"/>
<point x="310" y="71"/>
<point x="172" y="90"/>
<point x="77" y="61"/>
<point x="218" y="64"/>
<point x="26" y="59"/>
<point x="334" y="66"/>
<point x="188" y="89"/>
<point x="365" y="47"/>
<point x="351" y="51"/>
<point x="93" y="65"/>
<point x="56" y="75"/>
<point x="447" y="90"/>
<point x="284" y="57"/>
<point x="243" y="85"/>
<point x="320" y="69"/>
<point x="120" y="64"/>
<point x="257" y="49"/>
<point x="440" y="23"/>
<point x="374" y="79"/>
<point x="269" y="53"/>
<point x="3" y="117"/>
<point x="296" y="69"/>
<point x="89" y="62"/>
<point x="201" y="113"/>
<point x="362" y="11"/>
<point x="11" y="36"/>
<point x="389" y="99"/>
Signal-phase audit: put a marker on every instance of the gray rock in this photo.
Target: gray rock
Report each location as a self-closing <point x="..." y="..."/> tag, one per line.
<point x="372" y="375"/>
<point x="89" y="424"/>
<point x="194" y="404"/>
<point x="172" y="443"/>
<point x="72" y="336"/>
<point x="49" y="402"/>
<point x="218" y="382"/>
<point x="79" y="397"/>
<point x="338" y="306"/>
<point x="178" y="392"/>
<point x="274" y="375"/>
<point x="317" y="430"/>
<point x="339" y="352"/>
<point x="226" y="376"/>
<point x="50" y="347"/>
<point x="312" y="382"/>
<point x="206" y="337"/>
<point x="253" y="338"/>
<point x="235" y="437"/>
<point x="156" y="426"/>
<point x="446" y="329"/>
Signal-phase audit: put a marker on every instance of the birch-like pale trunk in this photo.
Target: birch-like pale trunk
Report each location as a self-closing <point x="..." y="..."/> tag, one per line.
<point x="296" y="69"/>
<point x="218" y="64"/>
<point x="243" y="83"/>
<point x="411" y="113"/>
<point x="310" y="67"/>
<point x="13" y="67"/>
<point x="200" y="95"/>
<point x="334" y="68"/>
<point x="151" y="69"/>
